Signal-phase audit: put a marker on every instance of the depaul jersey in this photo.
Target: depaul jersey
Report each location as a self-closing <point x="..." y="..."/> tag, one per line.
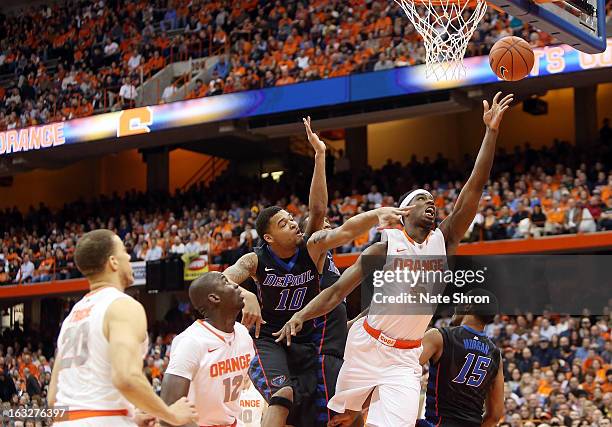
<point x="331" y="328"/>
<point x="460" y="381"/>
<point x="284" y="286"/>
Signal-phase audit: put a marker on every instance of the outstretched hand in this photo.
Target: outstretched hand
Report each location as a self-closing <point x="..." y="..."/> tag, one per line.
<point x="251" y="313"/>
<point x="390" y="216"/>
<point x="291" y="328"/>
<point x="492" y="116"/>
<point x="313" y="138"/>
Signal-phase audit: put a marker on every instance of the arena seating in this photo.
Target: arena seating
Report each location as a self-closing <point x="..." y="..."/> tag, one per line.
<point x="68" y="60"/>
<point x="529" y="196"/>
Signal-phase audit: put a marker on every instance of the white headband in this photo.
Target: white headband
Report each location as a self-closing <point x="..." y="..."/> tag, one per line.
<point x="412" y="195"/>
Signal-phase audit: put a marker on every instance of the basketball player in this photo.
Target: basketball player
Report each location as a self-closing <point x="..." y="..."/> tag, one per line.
<point x="330" y="338"/>
<point x="209" y="360"/>
<point x="382" y="353"/>
<point x="287" y="269"/>
<point x="464" y="370"/>
<point x="98" y="367"/>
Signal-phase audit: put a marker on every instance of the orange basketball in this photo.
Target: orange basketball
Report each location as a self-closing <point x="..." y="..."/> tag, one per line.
<point x="511" y="58"/>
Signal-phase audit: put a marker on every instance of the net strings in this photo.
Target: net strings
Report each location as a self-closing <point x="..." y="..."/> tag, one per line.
<point x="446" y="28"/>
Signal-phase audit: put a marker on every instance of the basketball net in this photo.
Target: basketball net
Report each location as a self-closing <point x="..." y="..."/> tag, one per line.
<point x="446" y="27"/>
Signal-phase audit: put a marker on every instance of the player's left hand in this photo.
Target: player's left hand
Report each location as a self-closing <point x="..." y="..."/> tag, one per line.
<point x="313" y="138"/>
<point x="291" y="328"/>
<point x="492" y="116"/>
<point x="142" y="419"/>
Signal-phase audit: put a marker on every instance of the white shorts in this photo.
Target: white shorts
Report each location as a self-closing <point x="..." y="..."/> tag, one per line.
<point x="116" y="421"/>
<point x="393" y="374"/>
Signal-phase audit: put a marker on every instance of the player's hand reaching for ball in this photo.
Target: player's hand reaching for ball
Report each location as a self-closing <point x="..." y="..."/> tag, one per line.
<point x="313" y="138"/>
<point x="492" y="116"/>
<point x="251" y="312"/>
<point x="390" y="216"/>
<point x="291" y="328"/>
<point x="184" y="412"/>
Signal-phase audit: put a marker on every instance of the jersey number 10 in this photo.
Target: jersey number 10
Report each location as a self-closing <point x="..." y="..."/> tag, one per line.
<point x="297" y="299"/>
<point x="476" y="374"/>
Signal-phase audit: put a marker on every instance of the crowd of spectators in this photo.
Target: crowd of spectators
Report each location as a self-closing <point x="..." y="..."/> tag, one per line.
<point x="106" y="48"/>
<point x="553" y="190"/>
<point x="557" y="368"/>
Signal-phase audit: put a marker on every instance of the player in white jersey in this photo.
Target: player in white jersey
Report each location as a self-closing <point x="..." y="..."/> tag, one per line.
<point x="209" y="360"/>
<point x="97" y="377"/>
<point x="252" y="406"/>
<point x="382" y="352"/>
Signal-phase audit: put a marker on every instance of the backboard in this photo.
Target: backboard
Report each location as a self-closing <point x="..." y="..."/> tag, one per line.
<point x="578" y="23"/>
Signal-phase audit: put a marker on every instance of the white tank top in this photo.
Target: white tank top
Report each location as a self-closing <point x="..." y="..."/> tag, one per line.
<point x="84" y="381"/>
<point x="402" y="320"/>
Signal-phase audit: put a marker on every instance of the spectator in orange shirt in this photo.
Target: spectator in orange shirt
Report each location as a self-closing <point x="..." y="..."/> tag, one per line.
<point x="156" y="63"/>
<point x="85" y="109"/>
<point x="285" y="79"/>
<point x="294" y="206"/>
<point x="45" y="269"/>
<point x="26" y="362"/>
<point x="216" y="247"/>
<point x="198" y="91"/>
<point x="155" y="372"/>
<point x="555" y="217"/>
<point x="589" y="384"/>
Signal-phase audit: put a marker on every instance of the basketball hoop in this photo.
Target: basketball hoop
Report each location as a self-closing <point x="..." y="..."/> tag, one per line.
<point x="445" y="32"/>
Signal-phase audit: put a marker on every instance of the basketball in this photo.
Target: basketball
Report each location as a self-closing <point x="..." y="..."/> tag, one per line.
<point x="511" y="58"/>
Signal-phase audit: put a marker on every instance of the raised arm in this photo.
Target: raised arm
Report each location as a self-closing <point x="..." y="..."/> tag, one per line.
<point x="317" y="199"/>
<point x="324" y="240"/>
<point x="244" y="268"/>
<point x="329" y="299"/>
<point x="125" y="326"/>
<point x="457" y="223"/>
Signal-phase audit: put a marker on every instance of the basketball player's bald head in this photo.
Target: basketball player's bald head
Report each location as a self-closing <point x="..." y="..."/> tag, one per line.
<point x="213" y="291"/>
<point x="202" y="287"/>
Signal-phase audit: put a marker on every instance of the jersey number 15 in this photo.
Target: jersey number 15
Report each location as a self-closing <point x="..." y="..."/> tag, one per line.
<point x="477" y="373"/>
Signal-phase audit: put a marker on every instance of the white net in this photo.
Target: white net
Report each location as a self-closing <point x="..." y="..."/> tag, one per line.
<point x="446" y="27"/>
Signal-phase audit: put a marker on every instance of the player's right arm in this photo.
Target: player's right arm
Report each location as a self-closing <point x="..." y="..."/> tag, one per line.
<point x="328" y="299"/>
<point x="324" y="240"/>
<point x="182" y="368"/>
<point x="433" y="343"/>
<point x="125" y="327"/>
<point x="173" y="388"/>
<point x="52" y="393"/>
<point x="244" y="268"/>
<point x="494" y="405"/>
